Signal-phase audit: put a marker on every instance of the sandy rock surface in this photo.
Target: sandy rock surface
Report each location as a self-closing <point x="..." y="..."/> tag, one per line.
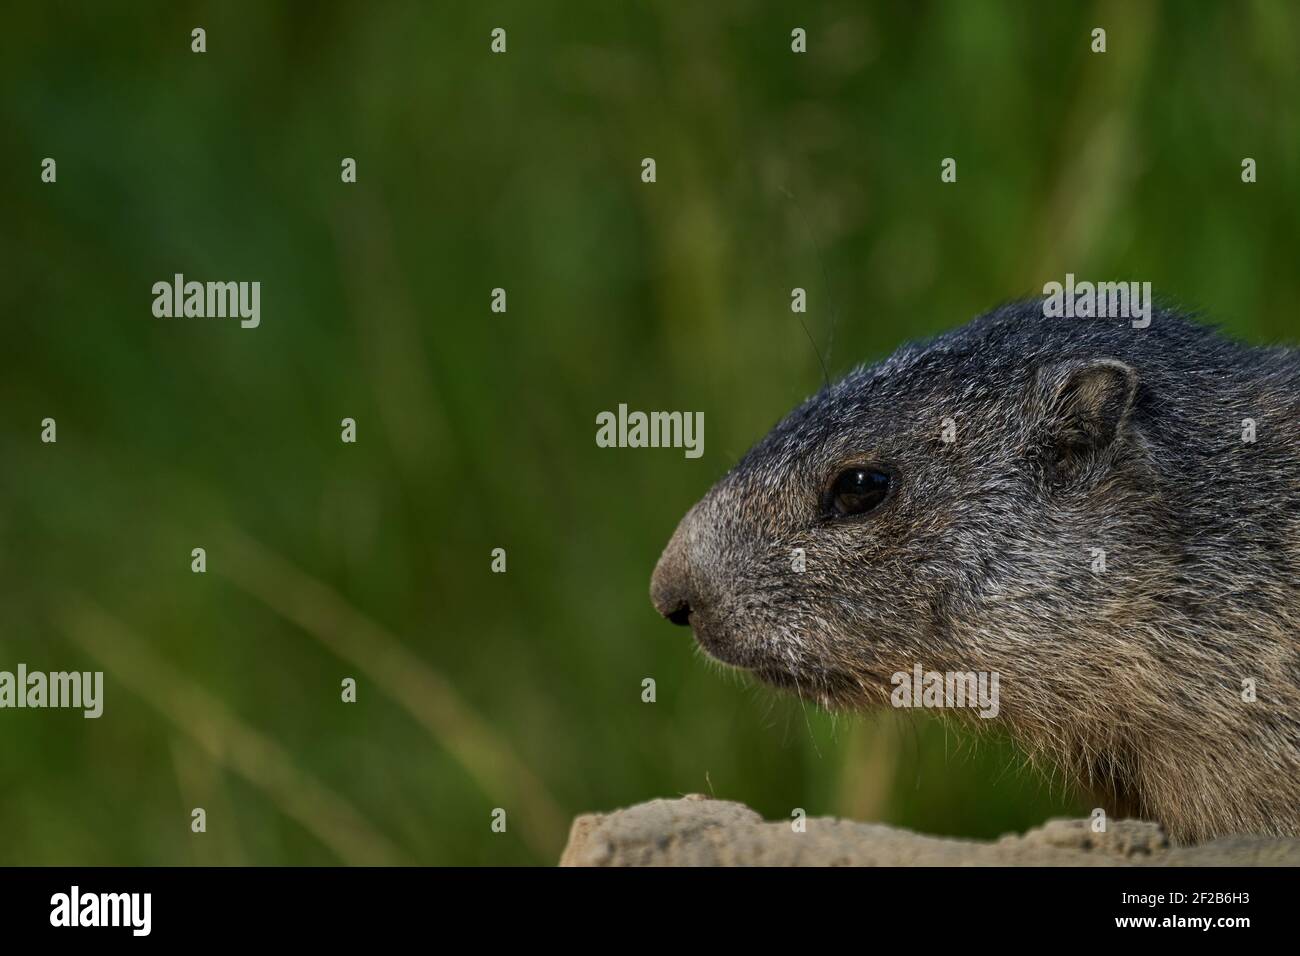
<point x="698" y="831"/>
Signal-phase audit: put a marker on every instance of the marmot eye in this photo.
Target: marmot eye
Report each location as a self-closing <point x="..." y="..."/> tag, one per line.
<point x="856" y="491"/>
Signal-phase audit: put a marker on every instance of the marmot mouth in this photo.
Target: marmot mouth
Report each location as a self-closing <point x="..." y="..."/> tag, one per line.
<point x="816" y="681"/>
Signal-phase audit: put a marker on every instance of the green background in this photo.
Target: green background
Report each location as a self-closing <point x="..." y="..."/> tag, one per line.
<point x="476" y="430"/>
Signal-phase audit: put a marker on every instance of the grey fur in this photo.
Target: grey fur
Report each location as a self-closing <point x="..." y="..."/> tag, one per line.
<point x="1072" y="434"/>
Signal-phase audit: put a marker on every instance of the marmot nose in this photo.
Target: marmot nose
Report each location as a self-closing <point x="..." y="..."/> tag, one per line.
<point x="682" y="616"/>
<point x="670" y="585"/>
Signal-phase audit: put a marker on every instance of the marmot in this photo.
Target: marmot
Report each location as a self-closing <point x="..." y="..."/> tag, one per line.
<point x="1106" y="517"/>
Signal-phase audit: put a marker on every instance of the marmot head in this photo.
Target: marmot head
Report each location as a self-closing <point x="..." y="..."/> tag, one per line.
<point x="1080" y="508"/>
<point x="938" y="508"/>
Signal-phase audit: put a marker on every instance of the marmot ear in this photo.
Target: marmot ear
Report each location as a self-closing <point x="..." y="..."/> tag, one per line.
<point x="1086" y="405"/>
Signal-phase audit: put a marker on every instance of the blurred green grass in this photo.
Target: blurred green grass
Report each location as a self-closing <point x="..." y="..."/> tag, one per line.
<point x="476" y="430"/>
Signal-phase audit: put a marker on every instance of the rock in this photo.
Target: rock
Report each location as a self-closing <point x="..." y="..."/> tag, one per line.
<point x="698" y="831"/>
